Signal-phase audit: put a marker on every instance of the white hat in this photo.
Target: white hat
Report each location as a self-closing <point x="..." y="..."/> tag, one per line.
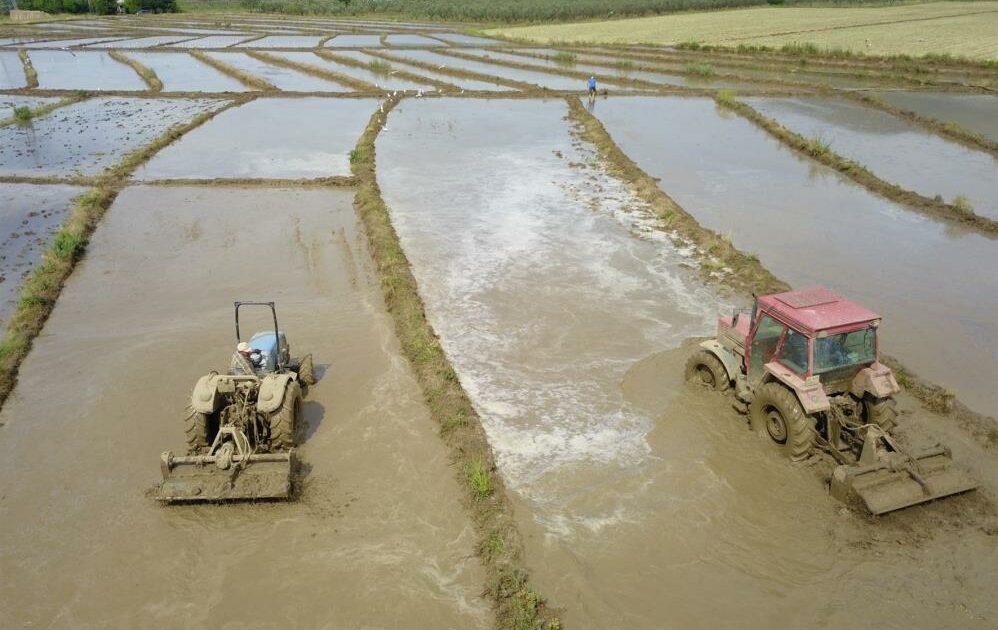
<point x="243" y="347"/>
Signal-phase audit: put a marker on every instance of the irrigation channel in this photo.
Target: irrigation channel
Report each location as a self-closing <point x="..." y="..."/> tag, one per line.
<point x="221" y="160"/>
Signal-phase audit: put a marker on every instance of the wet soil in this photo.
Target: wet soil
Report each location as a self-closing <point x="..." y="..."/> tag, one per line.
<point x="29" y="217"/>
<point x="378" y="535"/>
<point x="809" y="225"/>
<point x="382" y="81"/>
<point x="181" y="72"/>
<point x="9" y="102"/>
<point x="975" y="112"/>
<point x="643" y="502"/>
<point x="78" y="70"/>
<point x="87" y="137"/>
<point x="896" y="150"/>
<point x="302" y="138"/>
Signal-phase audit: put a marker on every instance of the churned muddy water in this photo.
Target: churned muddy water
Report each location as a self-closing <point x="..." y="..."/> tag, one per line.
<point x="181" y="72"/>
<point x="381" y="80"/>
<point x="11" y="70"/>
<point x="87" y="137"/>
<point x="976" y="112"/>
<point x="378" y="538"/>
<point x="894" y="149"/>
<point x="279" y="76"/>
<point x="301" y="138"/>
<point x="29" y="216"/>
<point x="809" y="225"/>
<point x="78" y="70"/>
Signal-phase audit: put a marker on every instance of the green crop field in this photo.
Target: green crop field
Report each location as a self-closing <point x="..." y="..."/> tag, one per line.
<point x="956" y="28"/>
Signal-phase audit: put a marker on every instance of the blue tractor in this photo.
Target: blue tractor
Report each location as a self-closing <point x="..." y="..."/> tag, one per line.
<point x="242" y="426"/>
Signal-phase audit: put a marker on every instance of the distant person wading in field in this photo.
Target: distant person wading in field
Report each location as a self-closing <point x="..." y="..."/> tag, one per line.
<point x="592" y="86"/>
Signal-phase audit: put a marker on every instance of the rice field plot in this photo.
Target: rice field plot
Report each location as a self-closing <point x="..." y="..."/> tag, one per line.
<point x="69" y="70"/>
<point x="975" y="112"/>
<point x="459" y="82"/>
<point x="957" y="28"/>
<point x="181" y="72"/>
<point x="377" y="74"/>
<point x="11" y="70"/>
<point x="283" y="78"/>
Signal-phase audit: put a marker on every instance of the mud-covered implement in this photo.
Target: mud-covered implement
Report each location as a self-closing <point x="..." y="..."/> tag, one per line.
<point x="242" y="426"/>
<point x="805" y="367"/>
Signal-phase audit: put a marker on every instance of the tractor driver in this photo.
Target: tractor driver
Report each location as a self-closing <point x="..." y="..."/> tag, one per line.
<point x="245" y="359"/>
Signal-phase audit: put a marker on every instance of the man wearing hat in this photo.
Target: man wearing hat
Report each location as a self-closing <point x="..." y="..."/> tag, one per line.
<point x="244" y="360"/>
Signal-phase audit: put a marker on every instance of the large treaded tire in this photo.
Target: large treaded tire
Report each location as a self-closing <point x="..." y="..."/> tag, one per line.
<point x="285" y="420"/>
<point x="706" y="370"/>
<point x="196" y="429"/>
<point x="775" y="405"/>
<point x="880" y="411"/>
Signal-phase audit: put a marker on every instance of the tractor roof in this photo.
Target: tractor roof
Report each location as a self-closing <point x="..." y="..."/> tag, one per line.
<point x="816" y="308"/>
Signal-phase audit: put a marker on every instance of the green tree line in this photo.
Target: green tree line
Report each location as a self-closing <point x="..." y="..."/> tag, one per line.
<point x="100" y="7"/>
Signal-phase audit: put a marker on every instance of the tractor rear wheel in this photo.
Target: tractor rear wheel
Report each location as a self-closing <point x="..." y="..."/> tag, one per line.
<point x="306" y="370"/>
<point x="880" y="411"/>
<point x="286" y="419"/>
<point x="198" y="430"/>
<point x="706" y="370"/>
<point x="777" y="409"/>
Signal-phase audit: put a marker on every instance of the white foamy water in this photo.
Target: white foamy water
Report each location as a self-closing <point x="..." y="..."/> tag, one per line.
<point x="545" y="284"/>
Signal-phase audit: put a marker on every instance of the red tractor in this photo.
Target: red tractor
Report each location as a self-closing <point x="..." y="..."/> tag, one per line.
<point x="805" y="366"/>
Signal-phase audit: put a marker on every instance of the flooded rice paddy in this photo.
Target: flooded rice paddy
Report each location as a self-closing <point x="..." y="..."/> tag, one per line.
<point x="565" y="309"/>
<point x="302" y="138"/>
<point x="894" y="149"/>
<point x="344" y="554"/>
<point x="29" y="216"/>
<point x="87" y="137"/>
<point x="976" y="112"/>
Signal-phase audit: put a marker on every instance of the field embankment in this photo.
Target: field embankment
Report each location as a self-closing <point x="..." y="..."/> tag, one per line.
<point x="954" y="28"/>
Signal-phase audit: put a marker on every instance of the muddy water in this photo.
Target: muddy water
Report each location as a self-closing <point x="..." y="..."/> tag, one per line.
<point x="9" y="102"/>
<point x="355" y="41"/>
<point x="976" y="112"/>
<point x="379" y="535"/>
<point x="67" y="70"/>
<point x="461" y="82"/>
<point x="11" y="70"/>
<point x="382" y="81"/>
<point x="284" y="41"/>
<point x="182" y="73"/>
<point x="542" y="79"/>
<point x="818" y="228"/>
<point x="645" y="505"/>
<point x="894" y="149"/>
<point x="304" y="138"/>
<point x="29" y="216"/>
<point x="283" y="78"/>
<point x="87" y="137"/>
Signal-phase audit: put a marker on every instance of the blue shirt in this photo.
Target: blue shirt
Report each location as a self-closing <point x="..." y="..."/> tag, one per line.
<point x="592" y="83"/>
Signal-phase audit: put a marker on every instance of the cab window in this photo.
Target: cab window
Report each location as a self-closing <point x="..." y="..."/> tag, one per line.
<point x="793" y="354"/>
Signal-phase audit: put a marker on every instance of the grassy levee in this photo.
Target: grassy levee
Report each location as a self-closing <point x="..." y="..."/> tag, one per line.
<point x="43" y="110"/>
<point x="500" y="548"/>
<point x="818" y="150"/>
<point x="148" y="74"/>
<point x="41" y="289"/>
<point x="750" y="275"/>
<point x="402" y="74"/>
<point x="315" y="71"/>
<point x="249" y="80"/>
<point x="951" y="130"/>
<point x="746" y="272"/>
<point x="30" y="74"/>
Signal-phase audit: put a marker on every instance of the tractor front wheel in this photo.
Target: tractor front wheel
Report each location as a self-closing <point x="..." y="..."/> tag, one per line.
<point x="706" y="370"/>
<point x="286" y="419"/>
<point x="777" y="409"/>
<point x="880" y="411"/>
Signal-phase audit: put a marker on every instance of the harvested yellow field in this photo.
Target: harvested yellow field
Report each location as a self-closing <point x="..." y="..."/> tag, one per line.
<point x="957" y="28"/>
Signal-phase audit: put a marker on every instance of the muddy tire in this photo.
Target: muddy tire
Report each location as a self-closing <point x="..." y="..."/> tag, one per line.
<point x="705" y="369"/>
<point x="777" y="410"/>
<point x="286" y="419"/>
<point x="198" y="430"/>
<point x="880" y="411"/>
<point x="306" y="370"/>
